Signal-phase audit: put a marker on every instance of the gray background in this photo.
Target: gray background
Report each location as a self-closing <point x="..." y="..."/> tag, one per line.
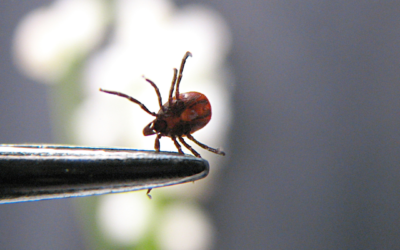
<point x="314" y="148"/>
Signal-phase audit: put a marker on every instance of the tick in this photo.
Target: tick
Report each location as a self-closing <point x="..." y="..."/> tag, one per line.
<point x="180" y="117"/>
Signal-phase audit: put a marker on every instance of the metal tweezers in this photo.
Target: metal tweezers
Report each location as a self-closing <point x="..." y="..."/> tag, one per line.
<point x="37" y="172"/>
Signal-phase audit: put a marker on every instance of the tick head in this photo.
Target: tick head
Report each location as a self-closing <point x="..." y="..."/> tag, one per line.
<point x="149" y="129"/>
<point x="156" y="126"/>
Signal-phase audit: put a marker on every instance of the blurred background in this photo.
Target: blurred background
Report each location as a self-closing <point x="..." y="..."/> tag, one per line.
<point x="306" y="104"/>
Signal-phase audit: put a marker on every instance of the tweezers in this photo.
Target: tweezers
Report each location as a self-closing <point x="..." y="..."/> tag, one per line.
<point x="37" y="172"/>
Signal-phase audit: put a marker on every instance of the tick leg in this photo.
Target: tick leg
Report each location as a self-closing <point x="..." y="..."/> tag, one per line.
<point x="148" y="193"/>
<point x="180" y="73"/>
<point x="171" y="90"/>
<point x="189" y="147"/>
<point x="130" y="99"/>
<point x="157" y="90"/>
<point x="216" y="151"/>
<point x="177" y="145"/>
<point x="157" y="143"/>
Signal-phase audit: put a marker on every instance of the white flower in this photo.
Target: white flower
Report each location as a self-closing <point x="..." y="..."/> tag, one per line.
<point x="49" y="39"/>
<point x="184" y="226"/>
<point x="150" y="38"/>
<point x="124" y="218"/>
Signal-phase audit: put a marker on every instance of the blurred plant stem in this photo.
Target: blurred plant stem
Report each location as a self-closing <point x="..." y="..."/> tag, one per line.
<point x="64" y="97"/>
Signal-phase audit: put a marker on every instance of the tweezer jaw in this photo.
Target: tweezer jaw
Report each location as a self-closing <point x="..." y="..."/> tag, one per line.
<point x="37" y="172"/>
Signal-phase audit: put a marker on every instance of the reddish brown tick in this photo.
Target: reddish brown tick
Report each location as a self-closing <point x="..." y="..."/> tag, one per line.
<point x="181" y="116"/>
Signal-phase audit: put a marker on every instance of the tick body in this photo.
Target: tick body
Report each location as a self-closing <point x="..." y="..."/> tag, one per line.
<point x="181" y="116"/>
